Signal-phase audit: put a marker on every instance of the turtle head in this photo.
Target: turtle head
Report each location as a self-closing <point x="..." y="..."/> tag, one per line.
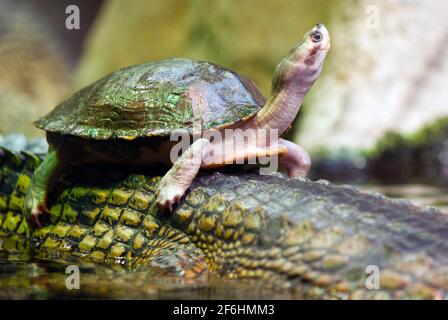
<point x="302" y="64"/>
<point x="293" y="78"/>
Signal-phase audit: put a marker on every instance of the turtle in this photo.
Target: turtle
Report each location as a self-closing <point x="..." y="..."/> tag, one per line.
<point x="133" y="116"/>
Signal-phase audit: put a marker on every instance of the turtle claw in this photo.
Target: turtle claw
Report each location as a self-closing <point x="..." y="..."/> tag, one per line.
<point x="35" y="207"/>
<point x="168" y="198"/>
<point x="36" y="222"/>
<point x="37" y="213"/>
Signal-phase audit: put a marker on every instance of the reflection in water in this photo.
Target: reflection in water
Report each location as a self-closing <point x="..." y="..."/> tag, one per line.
<point x="43" y="280"/>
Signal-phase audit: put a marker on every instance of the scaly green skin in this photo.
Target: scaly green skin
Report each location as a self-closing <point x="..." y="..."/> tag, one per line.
<point x="314" y="238"/>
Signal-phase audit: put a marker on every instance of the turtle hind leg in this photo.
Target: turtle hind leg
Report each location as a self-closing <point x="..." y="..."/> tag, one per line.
<point x="43" y="181"/>
<point x="178" y="179"/>
<point x="296" y="161"/>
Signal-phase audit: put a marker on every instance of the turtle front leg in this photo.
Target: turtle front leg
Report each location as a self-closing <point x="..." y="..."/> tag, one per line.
<point x="178" y="179"/>
<point x="43" y="181"/>
<point x="296" y="161"/>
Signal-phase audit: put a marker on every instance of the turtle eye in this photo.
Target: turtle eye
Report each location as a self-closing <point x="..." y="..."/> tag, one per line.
<point x="316" y="36"/>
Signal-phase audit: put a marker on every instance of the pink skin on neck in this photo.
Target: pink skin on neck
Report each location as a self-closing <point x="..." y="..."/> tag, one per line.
<point x="281" y="109"/>
<point x="284" y="104"/>
<point x="293" y="78"/>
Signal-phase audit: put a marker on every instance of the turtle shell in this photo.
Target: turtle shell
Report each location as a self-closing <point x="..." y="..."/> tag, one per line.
<point x="154" y="99"/>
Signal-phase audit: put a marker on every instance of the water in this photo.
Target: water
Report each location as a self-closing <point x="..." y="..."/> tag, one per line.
<point x="41" y="280"/>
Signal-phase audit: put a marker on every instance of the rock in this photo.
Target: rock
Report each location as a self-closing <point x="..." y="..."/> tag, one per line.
<point x="34" y="74"/>
<point x="17" y="142"/>
<point x="37" y="145"/>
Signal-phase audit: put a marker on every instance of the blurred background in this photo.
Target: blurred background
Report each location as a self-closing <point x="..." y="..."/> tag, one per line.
<point x="377" y="115"/>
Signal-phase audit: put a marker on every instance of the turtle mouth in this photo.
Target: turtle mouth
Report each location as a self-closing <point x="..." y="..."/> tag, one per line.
<point x="319" y="49"/>
<point x="317" y="54"/>
<point x="315" y="51"/>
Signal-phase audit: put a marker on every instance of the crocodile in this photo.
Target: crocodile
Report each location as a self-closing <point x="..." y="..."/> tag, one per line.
<point x="314" y="239"/>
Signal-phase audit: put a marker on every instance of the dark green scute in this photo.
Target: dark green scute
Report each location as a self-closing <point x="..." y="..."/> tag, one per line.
<point x="155" y="99"/>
